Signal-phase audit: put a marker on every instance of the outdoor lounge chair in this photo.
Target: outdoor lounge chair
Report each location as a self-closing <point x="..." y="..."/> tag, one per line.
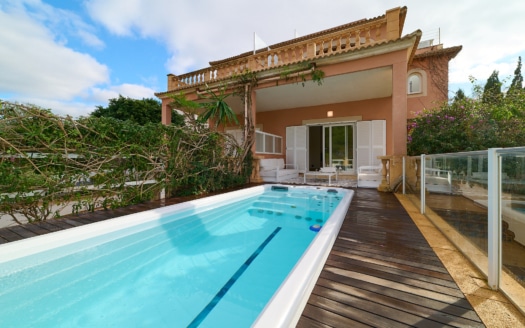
<point x="324" y="171"/>
<point x="275" y="170"/>
<point x="369" y="176"/>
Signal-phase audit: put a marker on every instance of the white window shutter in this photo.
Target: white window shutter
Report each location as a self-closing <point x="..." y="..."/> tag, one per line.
<point x="371" y="142"/>
<point x="363" y="143"/>
<point x="297" y="146"/>
<point x="378" y="141"/>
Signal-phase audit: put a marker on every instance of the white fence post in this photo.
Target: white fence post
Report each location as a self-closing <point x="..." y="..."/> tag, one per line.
<point x="422" y="184"/>
<point x="404" y="173"/>
<point x="494" y="218"/>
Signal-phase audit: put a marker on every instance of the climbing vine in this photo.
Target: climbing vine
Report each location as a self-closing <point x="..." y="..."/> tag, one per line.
<point x="298" y="74"/>
<point x="50" y="163"/>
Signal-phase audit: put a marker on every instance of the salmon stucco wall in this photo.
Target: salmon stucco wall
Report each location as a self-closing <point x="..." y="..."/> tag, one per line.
<point x="275" y="122"/>
<point x="434" y="70"/>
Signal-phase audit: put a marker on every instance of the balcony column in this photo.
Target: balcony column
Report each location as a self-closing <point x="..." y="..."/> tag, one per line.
<point x="418" y="173"/>
<point x="250" y="119"/>
<point x="398" y="134"/>
<point x="166" y="112"/>
<point x="253" y="114"/>
<point x="385" y="185"/>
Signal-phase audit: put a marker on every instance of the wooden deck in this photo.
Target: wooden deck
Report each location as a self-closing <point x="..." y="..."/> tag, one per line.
<point x="381" y="271"/>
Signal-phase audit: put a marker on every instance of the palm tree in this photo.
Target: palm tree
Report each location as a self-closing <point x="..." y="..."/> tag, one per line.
<point x="216" y="108"/>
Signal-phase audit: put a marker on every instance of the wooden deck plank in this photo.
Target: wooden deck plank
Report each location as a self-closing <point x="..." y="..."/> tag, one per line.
<point x="388" y="313"/>
<point x="444" y="277"/>
<point x="436" y="306"/>
<point x="319" y="315"/>
<point x="7" y="234"/>
<point x="404" y="278"/>
<point x="460" y="317"/>
<point x="311" y="323"/>
<point x="399" y="270"/>
<point x="37" y="230"/>
<point x="47" y="226"/>
<point x="22" y="231"/>
<point x="393" y="250"/>
<point x="357" y="312"/>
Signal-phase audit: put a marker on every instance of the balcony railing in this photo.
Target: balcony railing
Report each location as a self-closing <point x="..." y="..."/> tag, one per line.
<point x="358" y="36"/>
<point x="266" y="143"/>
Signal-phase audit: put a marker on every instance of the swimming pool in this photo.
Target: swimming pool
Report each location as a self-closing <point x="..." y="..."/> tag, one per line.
<point x="193" y="264"/>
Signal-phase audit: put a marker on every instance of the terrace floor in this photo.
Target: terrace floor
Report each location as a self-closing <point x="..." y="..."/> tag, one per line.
<point x="381" y="271"/>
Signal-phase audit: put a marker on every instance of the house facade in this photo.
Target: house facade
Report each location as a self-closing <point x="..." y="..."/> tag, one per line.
<point x="339" y="97"/>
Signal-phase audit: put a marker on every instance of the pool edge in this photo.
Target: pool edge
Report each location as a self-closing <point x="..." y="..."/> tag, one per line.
<point x="298" y="285"/>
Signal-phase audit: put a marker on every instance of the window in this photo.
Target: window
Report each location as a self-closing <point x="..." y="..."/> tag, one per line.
<point x="414" y="83"/>
<point x="417" y="83"/>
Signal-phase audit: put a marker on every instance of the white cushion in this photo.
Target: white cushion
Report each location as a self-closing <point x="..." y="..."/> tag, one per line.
<point x="271" y="164"/>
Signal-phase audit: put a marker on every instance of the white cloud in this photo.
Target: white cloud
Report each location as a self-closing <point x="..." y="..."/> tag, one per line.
<point x="126" y="90"/>
<point x="90" y="39"/>
<point x="34" y="63"/>
<point x="197" y="32"/>
<point x="489" y="31"/>
<point x="87" y="103"/>
<point x="60" y="107"/>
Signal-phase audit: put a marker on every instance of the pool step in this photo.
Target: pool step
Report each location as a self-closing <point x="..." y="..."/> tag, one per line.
<point x="270" y="214"/>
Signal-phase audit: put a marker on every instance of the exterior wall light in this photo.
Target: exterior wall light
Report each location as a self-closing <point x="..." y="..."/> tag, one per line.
<point x="329" y="113"/>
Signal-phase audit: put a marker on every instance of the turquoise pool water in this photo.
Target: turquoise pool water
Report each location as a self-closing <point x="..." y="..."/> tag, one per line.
<point x="197" y="267"/>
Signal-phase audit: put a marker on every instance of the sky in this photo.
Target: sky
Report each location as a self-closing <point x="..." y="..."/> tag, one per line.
<point x="73" y="55"/>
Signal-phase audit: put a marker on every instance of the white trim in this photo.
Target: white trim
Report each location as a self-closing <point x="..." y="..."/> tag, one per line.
<point x="287" y="304"/>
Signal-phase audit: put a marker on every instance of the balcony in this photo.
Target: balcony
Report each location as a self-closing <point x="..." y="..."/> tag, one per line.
<point x="304" y="50"/>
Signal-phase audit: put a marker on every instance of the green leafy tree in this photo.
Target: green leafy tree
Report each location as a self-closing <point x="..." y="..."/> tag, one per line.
<point x="143" y="111"/>
<point x="492" y="91"/>
<point x="517" y="81"/>
<point x="460" y="95"/>
<point x="454" y="127"/>
<point x="514" y="105"/>
<point x="467" y="125"/>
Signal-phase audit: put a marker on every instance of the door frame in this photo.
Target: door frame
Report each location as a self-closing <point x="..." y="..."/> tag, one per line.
<point x="330" y="145"/>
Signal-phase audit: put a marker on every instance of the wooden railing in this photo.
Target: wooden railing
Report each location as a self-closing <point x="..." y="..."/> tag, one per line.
<point x="358" y="36"/>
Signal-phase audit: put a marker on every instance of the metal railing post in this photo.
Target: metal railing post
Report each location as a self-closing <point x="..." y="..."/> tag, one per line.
<point x="494" y="218"/>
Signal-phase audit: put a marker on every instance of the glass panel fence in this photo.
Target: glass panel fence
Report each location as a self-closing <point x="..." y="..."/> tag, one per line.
<point x="477" y="199"/>
<point x="259" y="142"/>
<point x="513" y="215"/>
<point x="266" y="143"/>
<point x="456" y="191"/>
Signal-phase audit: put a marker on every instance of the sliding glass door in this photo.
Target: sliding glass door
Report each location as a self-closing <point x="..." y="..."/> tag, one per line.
<point x="338" y="144"/>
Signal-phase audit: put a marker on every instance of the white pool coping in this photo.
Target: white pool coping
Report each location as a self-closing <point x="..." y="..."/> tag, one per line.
<point x="286" y="305"/>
